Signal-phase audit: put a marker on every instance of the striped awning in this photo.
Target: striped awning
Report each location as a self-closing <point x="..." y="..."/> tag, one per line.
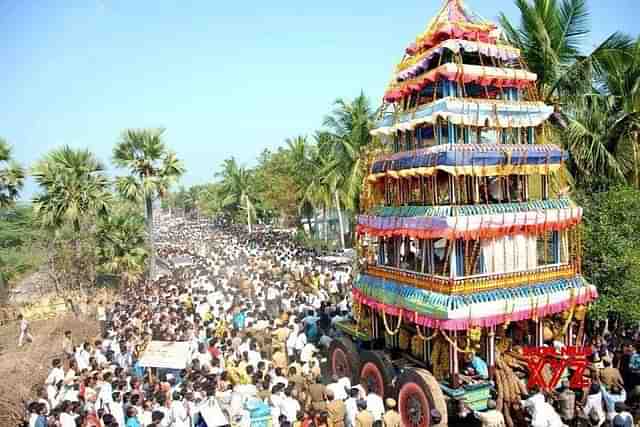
<point x="483" y="309"/>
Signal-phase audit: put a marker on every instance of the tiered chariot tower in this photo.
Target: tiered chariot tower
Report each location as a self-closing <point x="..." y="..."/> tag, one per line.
<point x="470" y="251"/>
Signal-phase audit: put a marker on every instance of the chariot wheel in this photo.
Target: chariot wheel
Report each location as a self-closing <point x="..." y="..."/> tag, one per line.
<point x="343" y="359"/>
<point x="377" y="373"/>
<point x="418" y="394"/>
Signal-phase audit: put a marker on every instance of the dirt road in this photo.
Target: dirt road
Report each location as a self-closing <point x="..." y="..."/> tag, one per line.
<point x="23" y="370"/>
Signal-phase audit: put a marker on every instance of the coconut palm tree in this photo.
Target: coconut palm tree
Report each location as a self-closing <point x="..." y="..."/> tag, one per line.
<point x="596" y="95"/>
<point x="549" y="37"/>
<point x="237" y="189"/>
<point x="300" y="156"/>
<point x="347" y="140"/>
<point x="318" y="190"/>
<point x="122" y="244"/>
<point x="593" y="138"/>
<point x="153" y="168"/>
<point x="620" y="82"/>
<point x="11" y="176"/>
<point x="74" y="193"/>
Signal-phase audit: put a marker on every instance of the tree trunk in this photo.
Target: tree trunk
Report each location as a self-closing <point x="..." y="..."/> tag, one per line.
<point x="248" y="215"/>
<point x="634" y="144"/>
<point x="337" y="199"/>
<point x="325" y="230"/>
<point x="152" y="250"/>
<point x="78" y="256"/>
<point x="4" y="291"/>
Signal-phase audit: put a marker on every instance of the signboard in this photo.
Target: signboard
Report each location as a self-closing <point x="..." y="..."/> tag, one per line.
<point x="165" y="354"/>
<point x="572" y="358"/>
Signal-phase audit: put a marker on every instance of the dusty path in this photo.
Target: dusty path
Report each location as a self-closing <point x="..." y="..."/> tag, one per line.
<point x="23" y="370"/>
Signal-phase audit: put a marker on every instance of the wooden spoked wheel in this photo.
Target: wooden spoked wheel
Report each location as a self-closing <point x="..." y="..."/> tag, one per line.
<point x="418" y="394"/>
<point x="343" y="359"/>
<point x="377" y="373"/>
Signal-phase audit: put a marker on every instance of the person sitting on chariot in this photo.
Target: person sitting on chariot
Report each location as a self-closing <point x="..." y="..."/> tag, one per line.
<point x="476" y="369"/>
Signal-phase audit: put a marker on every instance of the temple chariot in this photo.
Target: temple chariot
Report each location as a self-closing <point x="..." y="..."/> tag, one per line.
<point x="470" y="246"/>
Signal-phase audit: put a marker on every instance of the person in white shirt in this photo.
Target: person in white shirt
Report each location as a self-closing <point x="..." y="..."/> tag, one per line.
<point x="338" y="389"/>
<point x="290" y="406"/>
<point x="105" y="391"/>
<point x="351" y="407"/>
<point x="291" y="342"/>
<point x="307" y="352"/>
<point x="204" y="357"/>
<point x="179" y="414"/>
<point x="24" y="331"/>
<point x="301" y="341"/>
<point x="116" y="409"/>
<point x="375" y="405"/>
<point x="124" y="358"/>
<point x="56" y="375"/>
<point x="83" y="355"/>
<point x="67" y="419"/>
<point x="253" y="356"/>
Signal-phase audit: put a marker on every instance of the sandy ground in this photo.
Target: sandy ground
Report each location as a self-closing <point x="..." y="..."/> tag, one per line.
<point x="23" y="370"/>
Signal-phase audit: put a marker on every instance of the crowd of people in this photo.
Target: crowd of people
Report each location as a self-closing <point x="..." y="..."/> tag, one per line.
<point x="258" y="312"/>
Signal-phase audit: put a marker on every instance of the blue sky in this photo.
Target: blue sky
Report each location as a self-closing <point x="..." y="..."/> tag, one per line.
<point x="225" y="78"/>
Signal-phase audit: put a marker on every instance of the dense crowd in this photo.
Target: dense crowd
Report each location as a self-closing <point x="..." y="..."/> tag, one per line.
<point x="258" y="313"/>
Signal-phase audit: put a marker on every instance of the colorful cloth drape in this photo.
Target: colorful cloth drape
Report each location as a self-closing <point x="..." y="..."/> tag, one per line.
<point x="471" y="159"/>
<point x="413" y="66"/>
<point x="471" y="227"/>
<point x="459" y="30"/>
<point x="483" y="309"/>
<point x="408" y="211"/>
<point x="467" y="112"/>
<point x="484" y="76"/>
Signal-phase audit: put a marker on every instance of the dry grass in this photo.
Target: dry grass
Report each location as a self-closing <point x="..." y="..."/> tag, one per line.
<point x="23" y="370"/>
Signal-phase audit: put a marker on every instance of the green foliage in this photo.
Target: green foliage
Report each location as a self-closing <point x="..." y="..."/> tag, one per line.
<point x="346" y="142"/>
<point x="238" y="190"/>
<point x="303" y="177"/>
<point x="277" y="184"/>
<point x="611" y="257"/>
<point x="597" y="95"/>
<point x="74" y="188"/>
<point x="11" y="176"/>
<point x="152" y="166"/>
<point x="20" y="251"/>
<point x="121" y="243"/>
<point x="550" y="35"/>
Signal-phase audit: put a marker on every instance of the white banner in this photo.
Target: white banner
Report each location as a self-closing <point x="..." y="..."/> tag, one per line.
<point x="165" y="354"/>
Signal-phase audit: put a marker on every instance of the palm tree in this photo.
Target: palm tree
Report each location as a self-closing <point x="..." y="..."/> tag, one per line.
<point x="597" y="94"/>
<point x="11" y="176"/>
<point x="75" y="192"/>
<point x="300" y="154"/>
<point x="549" y="37"/>
<point x="11" y="182"/>
<point x="594" y="141"/>
<point x="620" y="82"/>
<point x="318" y="191"/>
<point x="121" y="238"/>
<point x="348" y="137"/>
<point x="237" y="188"/>
<point x="152" y="168"/>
